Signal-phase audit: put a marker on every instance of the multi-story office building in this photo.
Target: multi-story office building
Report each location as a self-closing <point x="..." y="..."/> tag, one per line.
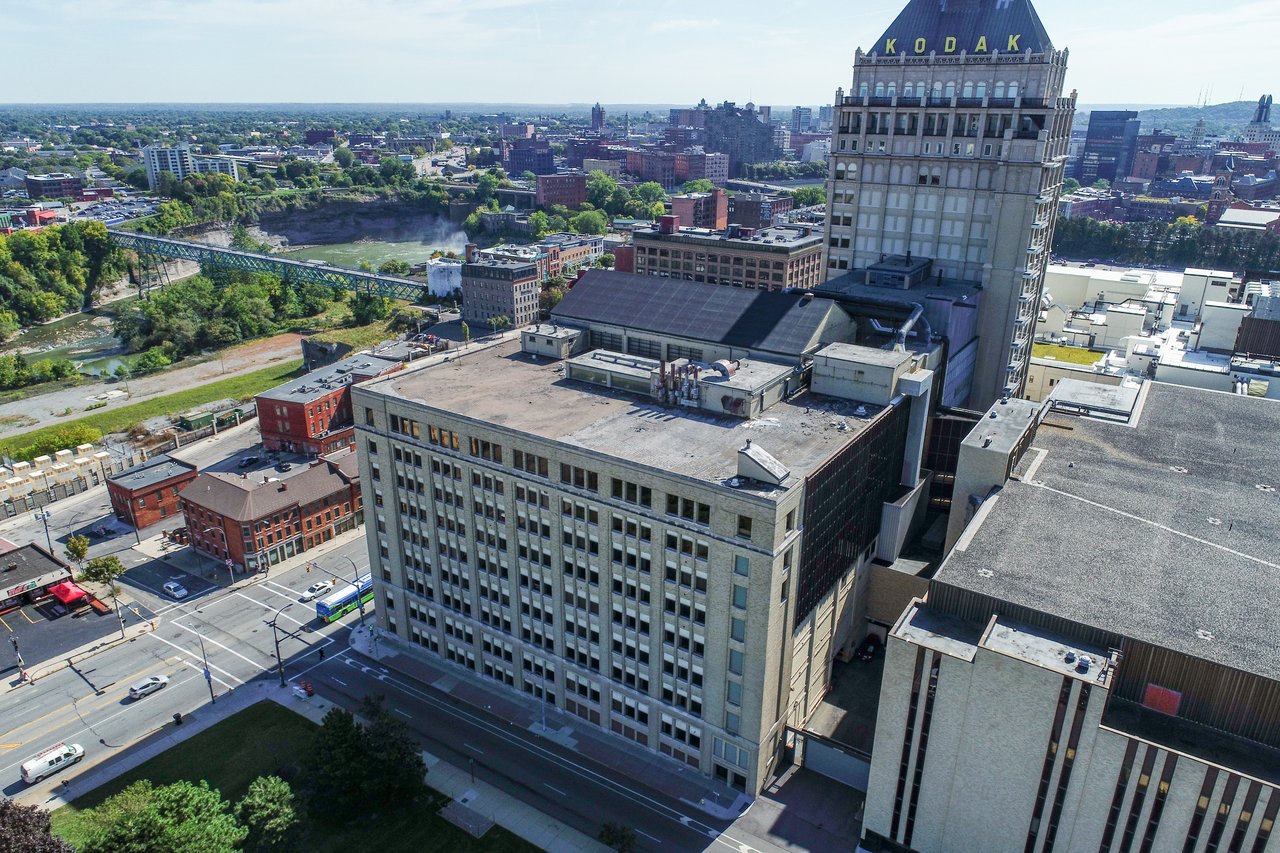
<point x="1078" y="677"/>
<point x="950" y="147"/>
<point x="312" y="414"/>
<point x="765" y="259"/>
<point x="741" y="134"/>
<point x="1259" y="128"/>
<point x="801" y="119"/>
<point x="1109" y="146"/>
<point x="54" y="185"/>
<point x="499" y="287"/>
<point x="597" y="117"/>
<point x="569" y="189"/>
<point x="702" y="210"/>
<point x="757" y="210"/>
<point x="529" y="154"/>
<point x="180" y="161"/>
<point x="628" y="519"/>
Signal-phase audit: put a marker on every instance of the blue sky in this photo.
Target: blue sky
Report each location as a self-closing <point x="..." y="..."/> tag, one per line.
<point x="564" y="51"/>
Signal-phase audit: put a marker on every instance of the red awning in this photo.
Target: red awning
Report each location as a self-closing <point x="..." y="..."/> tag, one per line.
<point x="67" y="592"/>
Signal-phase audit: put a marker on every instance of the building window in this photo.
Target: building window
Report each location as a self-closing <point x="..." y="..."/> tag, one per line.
<point x="741" y="565"/>
<point x="744" y="527"/>
<point x="368" y="416"/>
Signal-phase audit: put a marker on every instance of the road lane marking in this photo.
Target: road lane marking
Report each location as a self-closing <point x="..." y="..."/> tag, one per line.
<point x="282" y="614"/>
<point x="340" y="681"/>
<point x="397" y="710"/>
<point x="192" y="654"/>
<point x="475" y="749"/>
<point x="338" y="656"/>
<point x="648" y="836"/>
<point x="557" y="790"/>
<point x="6" y="625"/>
<point x="228" y="649"/>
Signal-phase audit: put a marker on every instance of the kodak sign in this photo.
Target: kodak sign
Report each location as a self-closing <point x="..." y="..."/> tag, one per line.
<point x="950" y="44"/>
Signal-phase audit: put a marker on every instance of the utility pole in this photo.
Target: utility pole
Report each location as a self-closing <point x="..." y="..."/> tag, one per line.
<point x="276" y="636"/>
<point x="208" y="676"/>
<point x="356" y="580"/>
<point x="43" y="515"/>
<point x="13" y="638"/>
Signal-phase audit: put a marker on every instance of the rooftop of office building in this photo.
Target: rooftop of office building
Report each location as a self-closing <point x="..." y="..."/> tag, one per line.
<point x="788" y="237"/>
<point x="504" y="388"/>
<point x="1162" y="529"/>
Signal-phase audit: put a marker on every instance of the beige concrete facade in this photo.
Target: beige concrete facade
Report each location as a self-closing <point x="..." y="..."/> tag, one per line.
<point x="959" y="159"/>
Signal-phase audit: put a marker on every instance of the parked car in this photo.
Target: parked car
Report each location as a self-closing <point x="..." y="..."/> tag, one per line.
<point x="175" y="590"/>
<point x="246" y="461"/>
<point x="284" y="466"/>
<point x="316" y="590"/>
<point x="869" y="648"/>
<point x="147" y="686"/>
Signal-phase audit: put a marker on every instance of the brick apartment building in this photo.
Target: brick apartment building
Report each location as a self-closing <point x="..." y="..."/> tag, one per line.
<point x="148" y="492"/>
<point x="569" y="190"/>
<point x="54" y="185"/>
<point x="257" y="522"/>
<point x="766" y="259"/>
<point x="493" y="287"/>
<point x="756" y="210"/>
<point x="702" y="210"/>
<point x="528" y="155"/>
<point x="312" y="414"/>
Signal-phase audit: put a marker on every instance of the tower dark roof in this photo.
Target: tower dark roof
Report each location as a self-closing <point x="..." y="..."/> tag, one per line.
<point x="973" y="26"/>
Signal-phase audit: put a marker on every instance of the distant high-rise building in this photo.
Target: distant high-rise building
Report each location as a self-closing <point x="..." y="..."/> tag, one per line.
<point x="1109" y="146"/>
<point x="945" y="158"/>
<point x="597" y="117"/>
<point x="826" y="114"/>
<point x="1260" y="129"/>
<point x="180" y="161"/>
<point x="801" y="119"/>
<point x="739" y="133"/>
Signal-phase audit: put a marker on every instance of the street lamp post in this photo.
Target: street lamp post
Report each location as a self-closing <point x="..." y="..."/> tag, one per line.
<point x="275" y="636"/>
<point x="208" y="676"/>
<point x="231" y="575"/>
<point x="355" y="579"/>
<point x="43" y="515"/>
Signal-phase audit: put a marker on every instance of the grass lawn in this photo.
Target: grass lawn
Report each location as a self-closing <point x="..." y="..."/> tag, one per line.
<point x="267" y="738"/>
<point x="1074" y="355"/>
<point x="115" y="420"/>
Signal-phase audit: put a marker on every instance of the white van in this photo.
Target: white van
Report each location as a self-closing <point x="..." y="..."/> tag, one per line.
<point x="50" y="761"/>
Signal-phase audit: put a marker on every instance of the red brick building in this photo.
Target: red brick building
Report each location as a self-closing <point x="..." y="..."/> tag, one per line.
<point x="569" y="190"/>
<point x="257" y="522"/>
<point x="148" y="493"/>
<point x="312" y="414"/>
<point x="702" y="210"/>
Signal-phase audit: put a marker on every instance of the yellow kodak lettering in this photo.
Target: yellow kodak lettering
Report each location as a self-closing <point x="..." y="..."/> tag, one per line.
<point x="949" y="46"/>
<point x="890" y="46"/>
<point x="920" y="43"/>
<point x="1013" y="42"/>
<point x="982" y="45"/>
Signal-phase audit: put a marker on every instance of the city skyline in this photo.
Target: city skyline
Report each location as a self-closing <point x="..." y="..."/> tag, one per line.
<point x="306" y="51"/>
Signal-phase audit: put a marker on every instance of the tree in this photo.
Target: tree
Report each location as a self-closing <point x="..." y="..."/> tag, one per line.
<point x="607" y="261"/>
<point x="618" y="836"/>
<point x="486" y="186"/>
<point x="466" y="332"/>
<point x="499" y="323"/>
<point x="809" y="196"/>
<point x="77" y="549"/>
<point x="1102" y="184"/>
<point x="649" y="192"/>
<point x="103" y="570"/>
<point x="600" y="188"/>
<point x="395" y="266"/>
<point x="589" y="222"/>
<point x="1070" y="185"/>
<point x="26" y="829"/>
<point x="151" y="361"/>
<point x="335" y="768"/>
<point x="538" y="224"/>
<point x="395" y="770"/>
<point x="367" y="308"/>
<point x="270" y="817"/>
<point x="701" y="185"/>
<point x="178" y="818"/>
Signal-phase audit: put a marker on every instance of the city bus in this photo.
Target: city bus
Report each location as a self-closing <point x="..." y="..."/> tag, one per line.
<point x="342" y="601"/>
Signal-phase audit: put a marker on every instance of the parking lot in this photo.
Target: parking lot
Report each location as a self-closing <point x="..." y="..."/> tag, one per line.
<point x="46" y="629"/>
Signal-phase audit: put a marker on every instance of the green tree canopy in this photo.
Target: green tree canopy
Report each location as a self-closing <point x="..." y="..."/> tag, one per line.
<point x="367" y="308"/>
<point x="649" y="192"/>
<point x="103" y="570"/>
<point x="808" y="196"/>
<point x="178" y="818"/>
<point x="701" y="185"/>
<point x="269" y="814"/>
<point x="77" y="548"/>
<point x="600" y="188"/>
<point x="589" y="222"/>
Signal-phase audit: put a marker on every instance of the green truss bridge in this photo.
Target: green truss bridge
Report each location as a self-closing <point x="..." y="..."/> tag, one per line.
<point x="299" y="272"/>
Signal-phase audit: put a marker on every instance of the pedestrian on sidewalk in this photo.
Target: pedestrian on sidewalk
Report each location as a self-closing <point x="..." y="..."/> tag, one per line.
<point x="322" y="653"/>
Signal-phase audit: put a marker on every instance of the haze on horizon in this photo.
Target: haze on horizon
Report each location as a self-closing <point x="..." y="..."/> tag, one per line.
<point x="580" y="51"/>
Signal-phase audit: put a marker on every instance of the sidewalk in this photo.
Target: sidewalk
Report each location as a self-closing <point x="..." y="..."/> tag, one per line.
<point x="655" y="771"/>
<point x="488" y="802"/>
<point x="39" y="670"/>
<point x="185" y="559"/>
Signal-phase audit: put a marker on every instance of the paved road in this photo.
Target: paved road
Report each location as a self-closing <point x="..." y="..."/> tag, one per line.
<point x="88" y="703"/>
